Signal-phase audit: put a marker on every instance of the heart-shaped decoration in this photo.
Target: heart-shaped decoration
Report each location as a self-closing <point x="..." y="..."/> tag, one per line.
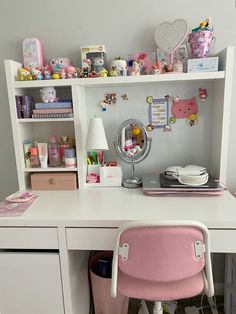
<point x="169" y="36"/>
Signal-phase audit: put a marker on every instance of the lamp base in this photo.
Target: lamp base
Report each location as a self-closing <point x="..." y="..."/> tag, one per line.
<point x="132" y="183"/>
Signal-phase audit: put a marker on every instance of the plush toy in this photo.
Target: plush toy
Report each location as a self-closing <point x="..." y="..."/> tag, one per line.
<point x="48" y="94"/>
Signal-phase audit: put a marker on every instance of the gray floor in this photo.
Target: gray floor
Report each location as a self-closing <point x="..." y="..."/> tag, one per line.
<point x="196" y="301"/>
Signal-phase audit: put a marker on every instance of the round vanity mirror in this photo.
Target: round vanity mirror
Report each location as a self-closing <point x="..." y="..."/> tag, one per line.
<point x="132" y="145"/>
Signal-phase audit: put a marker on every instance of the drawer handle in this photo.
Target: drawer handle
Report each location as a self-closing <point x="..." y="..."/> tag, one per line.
<point x="52" y="181"/>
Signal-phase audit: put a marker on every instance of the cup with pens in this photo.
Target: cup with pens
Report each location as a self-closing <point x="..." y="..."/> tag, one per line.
<point x="94" y="162"/>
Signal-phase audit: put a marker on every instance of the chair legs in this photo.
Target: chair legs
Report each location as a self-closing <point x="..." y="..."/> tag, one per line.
<point x="143" y="308"/>
<point x="157" y="309"/>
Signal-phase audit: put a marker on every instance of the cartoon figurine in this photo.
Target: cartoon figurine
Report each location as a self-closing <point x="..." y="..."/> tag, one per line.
<point x="192" y="119"/>
<point x="24" y="75"/>
<point x="118" y="67"/>
<point x="103" y="72"/>
<point x="62" y="73"/>
<point x="97" y="64"/>
<point x="135" y="68"/>
<point x="47" y="71"/>
<point x="70" y="71"/>
<point x="37" y="74"/>
<point x="157" y="68"/>
<point x="48" y="94"/>
<point x="86" y="63"/>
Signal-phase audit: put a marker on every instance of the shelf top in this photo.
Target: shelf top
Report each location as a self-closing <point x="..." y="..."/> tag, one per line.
<point x="125" y="80"/>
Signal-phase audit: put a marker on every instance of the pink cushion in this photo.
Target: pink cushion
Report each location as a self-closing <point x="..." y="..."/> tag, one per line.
<point x="160" y="291"/>
<point x="162" y="254"/>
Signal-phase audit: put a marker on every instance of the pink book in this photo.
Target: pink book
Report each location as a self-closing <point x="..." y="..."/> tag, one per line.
<point x="53" y="110"/>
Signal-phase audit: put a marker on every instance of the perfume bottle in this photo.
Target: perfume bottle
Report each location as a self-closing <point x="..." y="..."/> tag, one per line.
<point x="64" y="143"/>
<point x="54" y="152"/>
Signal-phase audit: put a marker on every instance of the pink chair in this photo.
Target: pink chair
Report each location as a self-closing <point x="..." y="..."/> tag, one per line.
<point x="162" y="261"/>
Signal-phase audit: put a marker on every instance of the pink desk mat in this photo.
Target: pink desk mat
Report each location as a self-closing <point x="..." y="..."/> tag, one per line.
<point x="8" y="209"/>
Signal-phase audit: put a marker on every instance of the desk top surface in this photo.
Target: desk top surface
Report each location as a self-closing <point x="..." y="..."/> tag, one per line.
<point x="110" y="207"/>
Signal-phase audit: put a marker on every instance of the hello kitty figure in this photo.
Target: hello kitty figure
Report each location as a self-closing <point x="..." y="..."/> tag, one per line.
<point x="48" y="94"/>
<point x="62" y="73"/>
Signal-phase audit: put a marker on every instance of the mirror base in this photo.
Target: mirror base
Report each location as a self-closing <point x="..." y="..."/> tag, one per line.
<point x="132" y="183"/>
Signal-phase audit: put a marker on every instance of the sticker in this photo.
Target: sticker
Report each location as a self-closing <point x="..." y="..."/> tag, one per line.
<point x="183" y="108"/>
<point x="124" y="97"/>
<point x="158" y="112"/>
<point x="203" y="94"/>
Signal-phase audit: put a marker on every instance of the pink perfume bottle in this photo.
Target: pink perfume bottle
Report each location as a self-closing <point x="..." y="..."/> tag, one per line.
<point x="54" y="152"/>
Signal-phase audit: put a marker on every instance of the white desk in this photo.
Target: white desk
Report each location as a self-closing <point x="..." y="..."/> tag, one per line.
<point x="74" y="222"/>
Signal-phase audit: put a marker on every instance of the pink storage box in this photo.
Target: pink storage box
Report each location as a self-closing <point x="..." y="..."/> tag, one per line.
<point x="32" y="53"/>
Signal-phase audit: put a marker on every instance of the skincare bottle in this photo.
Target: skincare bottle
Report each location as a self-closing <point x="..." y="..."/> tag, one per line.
<point x="54" y="152"/>
<point x="34" y="158"/>
<point x="70" y="160"/>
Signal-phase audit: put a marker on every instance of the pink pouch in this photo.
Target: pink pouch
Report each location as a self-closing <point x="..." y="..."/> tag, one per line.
<point x="32" y="53"/>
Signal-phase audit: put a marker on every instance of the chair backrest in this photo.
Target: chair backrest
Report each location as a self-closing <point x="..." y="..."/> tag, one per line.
<point x="164" y="251"/>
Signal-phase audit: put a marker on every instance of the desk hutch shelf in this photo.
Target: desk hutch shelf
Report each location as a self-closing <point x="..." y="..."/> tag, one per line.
<point x="207" y="143"/>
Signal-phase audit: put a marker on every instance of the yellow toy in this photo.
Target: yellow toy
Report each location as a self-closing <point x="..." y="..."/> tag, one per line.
<point x="103" y="72"/>
<point x="24" y="75"/>
<point x="56" y="76"/>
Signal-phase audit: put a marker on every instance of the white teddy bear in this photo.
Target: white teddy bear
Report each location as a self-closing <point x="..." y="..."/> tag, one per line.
<point x="48" y="94"/>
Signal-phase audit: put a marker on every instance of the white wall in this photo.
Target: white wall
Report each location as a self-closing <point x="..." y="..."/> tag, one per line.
<point x="123" y="26"/>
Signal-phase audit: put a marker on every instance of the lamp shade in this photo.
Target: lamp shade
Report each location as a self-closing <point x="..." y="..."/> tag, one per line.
<point x="96" y="138"/>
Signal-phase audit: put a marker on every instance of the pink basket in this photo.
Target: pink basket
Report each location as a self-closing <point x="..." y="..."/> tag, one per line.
<point x="201" y="43"/>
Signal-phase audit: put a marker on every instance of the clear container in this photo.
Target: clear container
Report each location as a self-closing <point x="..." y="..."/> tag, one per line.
<point x="34" y="158"/>
<point x="54" y="152"/>
<point x="70" y="159"/>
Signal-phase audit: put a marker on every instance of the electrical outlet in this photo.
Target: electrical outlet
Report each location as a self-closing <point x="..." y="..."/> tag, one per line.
<point x="191" y="310"/>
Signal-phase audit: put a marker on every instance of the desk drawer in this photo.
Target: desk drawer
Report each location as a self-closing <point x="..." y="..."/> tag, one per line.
<point x="91" y="238"/>
<point x="28" y="238"/>
<point x="223" y="241"/>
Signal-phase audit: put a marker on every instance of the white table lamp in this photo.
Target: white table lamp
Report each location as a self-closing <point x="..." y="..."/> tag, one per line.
<point x="96" y="138"/>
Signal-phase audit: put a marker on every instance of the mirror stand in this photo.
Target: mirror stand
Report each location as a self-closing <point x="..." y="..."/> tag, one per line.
<point x="132" y="181"/>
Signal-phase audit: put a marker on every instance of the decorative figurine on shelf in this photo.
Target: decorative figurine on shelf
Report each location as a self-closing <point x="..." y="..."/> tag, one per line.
<point x="62" y="73"/>
<point x="24" y="75"/>
<point x="47" y="72"/>
<point x="86" y="63"/>
<point x="37" y="74"/>
<point x="48" y="94"/>
<point x="70" y="71"/>
<point x="56" y="76"/>
<point x="157" y="68"/>
<point x="85" y="72"/>
<point x="135" y="68"/>
<point x="98" y="64"/>
<point x="118" y="67"/>
<point x="62" y="63"/>
<point x="103" y="73"/>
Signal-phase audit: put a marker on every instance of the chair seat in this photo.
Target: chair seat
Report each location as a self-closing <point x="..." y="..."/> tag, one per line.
<point x="164" y="291"/>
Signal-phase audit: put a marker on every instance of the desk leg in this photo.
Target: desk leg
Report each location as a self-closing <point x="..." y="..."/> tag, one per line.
<point x="74" y="273"/>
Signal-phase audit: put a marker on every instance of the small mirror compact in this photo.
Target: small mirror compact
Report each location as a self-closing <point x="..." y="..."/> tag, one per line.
<point x="132" y="145"/>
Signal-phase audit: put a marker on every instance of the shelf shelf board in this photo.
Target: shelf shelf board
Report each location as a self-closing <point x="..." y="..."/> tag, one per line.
<point x="125" y="80"/>
<point x="45" y="120"/>
<point x="51" y="169"/>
